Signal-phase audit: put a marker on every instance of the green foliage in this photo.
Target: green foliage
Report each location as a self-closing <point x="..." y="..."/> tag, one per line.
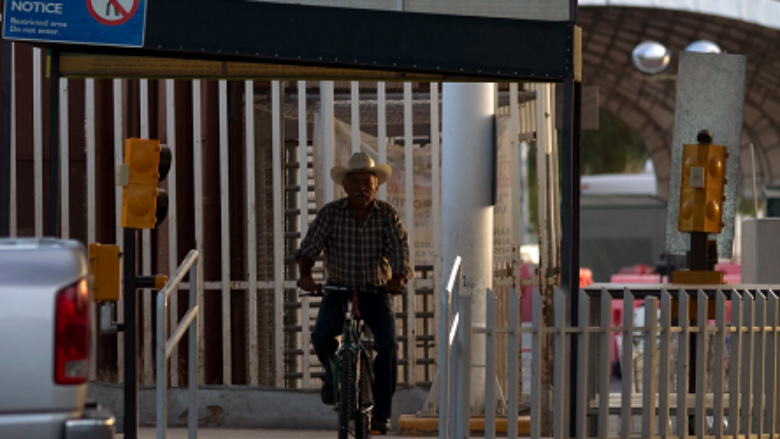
<point x="747" y="207"/>
<point x="612" y="149"/>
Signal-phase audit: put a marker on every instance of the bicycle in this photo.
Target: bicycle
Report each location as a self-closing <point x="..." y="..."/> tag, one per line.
<point x="352" y="373"/>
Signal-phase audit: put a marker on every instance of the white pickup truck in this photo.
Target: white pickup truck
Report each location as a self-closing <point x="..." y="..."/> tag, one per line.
<point x="45" y="329"/>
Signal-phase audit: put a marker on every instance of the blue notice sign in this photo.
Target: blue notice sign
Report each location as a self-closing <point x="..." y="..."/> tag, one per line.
<point x="99" y="22"/>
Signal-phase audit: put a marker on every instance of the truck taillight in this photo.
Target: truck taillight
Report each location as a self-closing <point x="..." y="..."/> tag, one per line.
<point x="71" y="337"/>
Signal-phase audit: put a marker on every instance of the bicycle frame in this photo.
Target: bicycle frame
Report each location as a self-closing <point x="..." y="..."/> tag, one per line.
<point x="353" y="352"/>
<point x="351" y="340"/>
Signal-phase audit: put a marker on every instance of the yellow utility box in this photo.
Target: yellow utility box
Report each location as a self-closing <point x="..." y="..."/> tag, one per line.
<point x="104" y="265"/>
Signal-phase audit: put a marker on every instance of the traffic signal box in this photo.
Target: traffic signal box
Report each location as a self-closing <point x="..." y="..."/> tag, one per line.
<point x="104" y="266"/>
<point x="701" y="213"/>
<point x="701" y="193"/>
<point x="146" y="164"/>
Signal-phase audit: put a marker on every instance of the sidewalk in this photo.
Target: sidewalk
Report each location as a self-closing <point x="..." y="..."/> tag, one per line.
<point x="234" y="433"/>
<point x="225" y="433"/>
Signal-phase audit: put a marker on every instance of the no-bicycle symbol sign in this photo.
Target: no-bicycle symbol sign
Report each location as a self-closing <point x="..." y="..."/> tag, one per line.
<point x="100" y="22"/>
<point x="112" y="12"/>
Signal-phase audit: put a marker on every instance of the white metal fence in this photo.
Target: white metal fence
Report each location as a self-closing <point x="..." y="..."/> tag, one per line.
<point x="277" y="132"/>
<point x="720" y="380"/>
<point x="703" y="364"/>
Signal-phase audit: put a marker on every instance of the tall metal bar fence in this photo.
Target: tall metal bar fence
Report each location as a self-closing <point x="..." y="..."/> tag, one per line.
<point x="243" y="188"/>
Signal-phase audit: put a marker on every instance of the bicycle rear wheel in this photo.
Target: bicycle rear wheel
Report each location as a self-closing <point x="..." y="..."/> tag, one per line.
<point x="363" y="417"/>
<point x="347" y="402"/>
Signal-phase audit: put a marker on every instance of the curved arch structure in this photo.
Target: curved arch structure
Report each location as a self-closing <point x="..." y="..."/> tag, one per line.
<point x="646" y="102"/>
<point x="761" y="12"/>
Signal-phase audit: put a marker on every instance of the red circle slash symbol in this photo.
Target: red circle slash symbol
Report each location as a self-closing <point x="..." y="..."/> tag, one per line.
<point x="112" y="12"/>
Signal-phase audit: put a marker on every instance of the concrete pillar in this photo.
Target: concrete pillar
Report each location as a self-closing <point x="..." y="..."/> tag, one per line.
<point x="468" y="170"/>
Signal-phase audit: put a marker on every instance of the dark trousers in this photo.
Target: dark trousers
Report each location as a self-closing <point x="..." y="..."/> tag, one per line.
<point x="377" y="311"/>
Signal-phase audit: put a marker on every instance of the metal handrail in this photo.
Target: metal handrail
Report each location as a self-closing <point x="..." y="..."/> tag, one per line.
<point x="454" y="374"/>
<point x="448" y="366"/>
<point x="165" y="346"/>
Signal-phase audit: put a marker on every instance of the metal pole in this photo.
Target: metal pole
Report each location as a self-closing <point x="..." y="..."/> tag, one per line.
<point x="192" y="376"/>
<point x="698" y="258"/>
<point x="131" y="334"/>
<point x="54" y="144"/>
<point x="5" y="156"/>
<point x="570" y="218"/>
<point x="467" y="210"/>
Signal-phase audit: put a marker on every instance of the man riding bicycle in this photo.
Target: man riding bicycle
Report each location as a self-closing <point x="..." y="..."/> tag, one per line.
<point x="365" y="247"/>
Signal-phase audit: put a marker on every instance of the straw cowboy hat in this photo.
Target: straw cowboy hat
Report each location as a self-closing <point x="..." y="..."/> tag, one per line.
<point x="361" y="162"/>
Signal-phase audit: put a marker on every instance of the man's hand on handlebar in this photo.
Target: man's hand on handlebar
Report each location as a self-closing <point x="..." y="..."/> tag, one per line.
<point x="307" y="283"/>
<point x="395" y="285"/>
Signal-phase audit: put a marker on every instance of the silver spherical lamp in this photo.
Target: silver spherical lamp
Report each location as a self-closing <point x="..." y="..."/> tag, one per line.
<point x="651" y="57"/>
<point x="703" y="46"/>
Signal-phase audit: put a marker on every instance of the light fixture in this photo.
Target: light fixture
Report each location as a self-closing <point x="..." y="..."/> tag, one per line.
<point x="703" y="46"/>
<point x="651" y="57"/>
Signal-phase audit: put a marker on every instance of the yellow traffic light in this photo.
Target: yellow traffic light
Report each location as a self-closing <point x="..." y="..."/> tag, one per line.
<point x="701" y="192"/>
<point x="104" y="265"/>
<point x="146" y="163"/>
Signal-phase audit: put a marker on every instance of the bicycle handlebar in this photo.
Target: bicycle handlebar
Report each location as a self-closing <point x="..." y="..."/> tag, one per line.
<point x="322" y="288"/>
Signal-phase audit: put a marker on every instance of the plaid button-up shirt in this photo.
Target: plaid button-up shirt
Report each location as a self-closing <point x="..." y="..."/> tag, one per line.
<point x="359" y="255"/>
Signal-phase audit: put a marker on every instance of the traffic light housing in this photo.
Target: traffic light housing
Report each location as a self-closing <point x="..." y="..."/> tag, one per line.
<point x="702" y="189"/>
<point x="104" y="266"/>
<point x="147" y="163"/>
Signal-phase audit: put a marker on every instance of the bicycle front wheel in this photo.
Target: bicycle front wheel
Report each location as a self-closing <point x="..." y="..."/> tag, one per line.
<point x="347" y="400"/>
<point x="363" y="417"/>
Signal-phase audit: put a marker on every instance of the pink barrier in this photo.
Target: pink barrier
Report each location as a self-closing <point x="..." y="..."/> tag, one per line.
<point x="526" y="272"/>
